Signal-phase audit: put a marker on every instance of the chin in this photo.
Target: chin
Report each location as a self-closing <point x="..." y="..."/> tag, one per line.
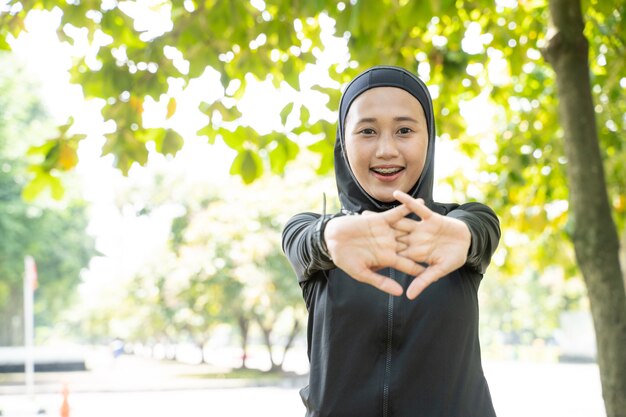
<point x="386" y="197"/>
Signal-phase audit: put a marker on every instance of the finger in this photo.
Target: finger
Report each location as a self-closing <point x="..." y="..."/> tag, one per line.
<point x="401" y="247"/>
<point x="412" y="254"/>
<point x="403" y="239"/>
<point x="417" y="206"/>
<point x="381" y="282"/>
<point x="368" y="213"/>
<point x="408" y="266"/>
<point x="408" y="247"/>
<point x="405" y="225"/>
<point x="422" y="281"/>
<point x="400" y="233"/>
<point x="396" y="213"/>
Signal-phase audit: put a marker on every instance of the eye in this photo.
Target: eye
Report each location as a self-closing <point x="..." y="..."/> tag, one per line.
<point x="367" y="131"/>
<point x="405" y="130"/>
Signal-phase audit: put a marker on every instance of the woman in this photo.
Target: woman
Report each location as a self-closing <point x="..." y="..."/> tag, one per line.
<point x="373" y="352"/>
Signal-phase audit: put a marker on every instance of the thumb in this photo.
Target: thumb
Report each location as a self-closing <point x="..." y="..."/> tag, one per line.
<point x="395" y="214"/>
<point x="381" y="282"/>
<point x="423" y="280"/>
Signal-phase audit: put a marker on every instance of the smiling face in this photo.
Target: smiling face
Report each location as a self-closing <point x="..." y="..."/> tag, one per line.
<point x="386" y="140"/>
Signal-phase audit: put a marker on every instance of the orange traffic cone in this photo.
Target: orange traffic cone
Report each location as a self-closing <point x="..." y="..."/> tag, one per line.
<point x="65" y="406"/>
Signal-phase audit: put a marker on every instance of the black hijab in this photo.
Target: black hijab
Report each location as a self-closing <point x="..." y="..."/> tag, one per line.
<point x="351" y="195"/>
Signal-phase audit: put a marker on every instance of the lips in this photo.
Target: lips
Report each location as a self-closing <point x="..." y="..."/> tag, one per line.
<point x="387" y="172"/>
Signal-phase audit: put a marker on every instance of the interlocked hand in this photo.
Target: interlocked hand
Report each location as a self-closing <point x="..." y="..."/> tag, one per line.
<point x="440" y="242"/>
<point x="361" y="245"/>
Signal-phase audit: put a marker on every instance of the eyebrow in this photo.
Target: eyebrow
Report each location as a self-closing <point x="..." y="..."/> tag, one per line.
<point x="396" y="119"/>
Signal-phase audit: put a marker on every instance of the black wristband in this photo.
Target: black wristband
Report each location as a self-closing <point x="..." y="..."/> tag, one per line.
<point x="320" y="227"/>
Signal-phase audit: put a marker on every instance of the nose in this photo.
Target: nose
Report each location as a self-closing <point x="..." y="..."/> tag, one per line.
<point x="386" y="147"/>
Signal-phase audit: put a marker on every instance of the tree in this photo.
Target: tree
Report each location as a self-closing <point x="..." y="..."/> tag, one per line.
<point x="220" y="264"/>
<point x="279" y="297"/>
<point x="466" y="50"/>
<point x="213" y="297"/>
<point x="245" y="278"/>
<point x="593" y="231"/>
<point x="55" y="236"/>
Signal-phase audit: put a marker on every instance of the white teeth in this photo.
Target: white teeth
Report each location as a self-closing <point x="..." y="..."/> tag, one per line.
<point x="387" y="170"/>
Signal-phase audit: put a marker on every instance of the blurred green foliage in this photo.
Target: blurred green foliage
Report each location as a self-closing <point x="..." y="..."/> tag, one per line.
<point x="222" y="264"/>
<point x="464" y="49"/>
<point x="54" y="234"/>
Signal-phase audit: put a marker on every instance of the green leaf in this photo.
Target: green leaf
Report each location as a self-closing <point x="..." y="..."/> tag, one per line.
<point x="34" y="187"/>
<point x="305" y="115"/>
<point x="334" y="95"/>
<point x="168" y="142"/>
<point x="321" y="146"/>
<point x="209" y="132"/>
<point x="42" y="181"/>
<point x="292" y="75"/>
<point x="229" y="114"/>
<point x="278" y="159"/>
<point x="326" y="164"/>
<point x="52" y="156"/>
<point x="248" y="165"/>
<point x="3" y="44"/>
<point x="285" y="151"/>
<point x="285" y="113"/>
<point x="125" y="146"/>
<point x="42" y="149"/>
<point x="233" y="140"/>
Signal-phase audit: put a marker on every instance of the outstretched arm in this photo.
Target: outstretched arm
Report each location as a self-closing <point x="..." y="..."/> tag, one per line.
<point x="484" y="227"/>
<point x="302" y="248"/>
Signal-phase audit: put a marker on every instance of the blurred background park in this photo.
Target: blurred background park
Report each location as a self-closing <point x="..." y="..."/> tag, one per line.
<point x="152" y="150"/>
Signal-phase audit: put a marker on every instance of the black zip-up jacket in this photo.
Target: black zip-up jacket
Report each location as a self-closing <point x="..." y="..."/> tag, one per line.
<point x="372" y="354"/>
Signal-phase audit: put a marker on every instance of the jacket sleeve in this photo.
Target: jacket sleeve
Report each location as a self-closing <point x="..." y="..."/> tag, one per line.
<point x="484" y="227"/>
<point x="302" y="248"/>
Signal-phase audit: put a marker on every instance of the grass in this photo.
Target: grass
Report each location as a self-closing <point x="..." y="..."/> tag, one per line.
<point x="241" y="374"/>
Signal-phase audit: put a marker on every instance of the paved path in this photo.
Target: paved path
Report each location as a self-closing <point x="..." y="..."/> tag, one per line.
<point x="523" y="389"/>
<point x="141" y="388"/>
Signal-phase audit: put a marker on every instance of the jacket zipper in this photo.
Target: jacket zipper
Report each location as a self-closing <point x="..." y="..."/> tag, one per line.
<point x="387" y="377"/>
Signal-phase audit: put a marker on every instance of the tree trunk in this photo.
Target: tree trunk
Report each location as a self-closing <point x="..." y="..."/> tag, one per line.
<point x="292" y="336"/>
<point x="201" y="344"/>
<point x="267" y="337"/>
<point x="622" y="256"/>
<point x="244" y="326"/>
<point x="594" y="236"/>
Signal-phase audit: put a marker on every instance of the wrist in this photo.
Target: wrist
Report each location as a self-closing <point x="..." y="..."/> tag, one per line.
<point x="322" y="232"/>
<point x="328" y="236"/>
<point x="466" y="234"/>
<point x="332" y="230"/>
